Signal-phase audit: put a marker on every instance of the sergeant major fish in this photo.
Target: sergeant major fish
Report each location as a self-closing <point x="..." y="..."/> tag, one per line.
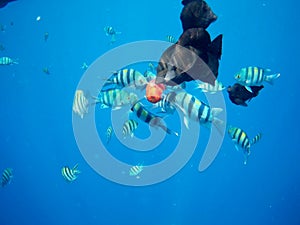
<point x="136" y="170"/>
<point x="70" y="174"/>
<point x="241" y="139"/>
<point x="109" y="133"/>
<point x="129" y="127"/>
<point x="148" y="117"/>
<point x="7" y="61"/>
<point x="206" y="87"/>
<point x="254" y="76"/>
<point x="80" y="104"/>
<point x="6" y="177"/>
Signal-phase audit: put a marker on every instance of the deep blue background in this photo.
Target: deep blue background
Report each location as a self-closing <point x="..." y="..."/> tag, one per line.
<point x="37" y="139"/>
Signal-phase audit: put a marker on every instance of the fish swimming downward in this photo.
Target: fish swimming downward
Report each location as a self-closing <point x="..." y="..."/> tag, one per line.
<point x="136" y="170"/>
<point x="241" y="140"/>
<point x="148" y="117"/>
<point x="109" y="134"/>
<point x="110" y="31"/>
<point x="129" y="127"/>
<point x="7" y="175"/>
<point x="80" y="104"/>
<point x="70" y="174"/>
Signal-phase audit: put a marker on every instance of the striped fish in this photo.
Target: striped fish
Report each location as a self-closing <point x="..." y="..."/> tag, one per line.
<point x="109" y="133"/>
<point x="128" y="78"/>
<point x="148" y="117"/>
<point x="70" y="174"/>
<point x="7" y="175"/>
<point x="255" y="76"/>
<point x="171" y="38"/>
<point x="241" y="139"/>
<point x="129" y="127"/>
<point x="136" y="170"/>
<point x="110" y="31"/>
<point x="206" y="87"/>
<point x="115" y="98"/>
<point x="7" y="61"/>
<point x="80" y="103"/>
<point x="194" y="109"/>
<point x="165" y="105"/>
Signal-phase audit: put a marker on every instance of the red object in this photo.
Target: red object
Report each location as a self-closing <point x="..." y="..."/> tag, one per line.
<point x="154" y="91"/>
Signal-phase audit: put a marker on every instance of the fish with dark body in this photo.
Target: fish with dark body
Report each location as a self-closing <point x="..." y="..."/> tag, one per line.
<point x="195" y="14"/>
<point x="193" y="57"/>
<point x="3" y="3"/>
<point x="238" y="94"/>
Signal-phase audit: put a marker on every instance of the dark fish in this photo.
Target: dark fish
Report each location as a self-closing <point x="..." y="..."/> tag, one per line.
<point x="198" y="59"/>
<point x="5" y="2"/>
<point x="196" y="14"/>
<point x="238" y="94"/>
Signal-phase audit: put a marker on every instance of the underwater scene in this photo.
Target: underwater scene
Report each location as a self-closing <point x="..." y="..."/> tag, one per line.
<point x="173" y="112"/>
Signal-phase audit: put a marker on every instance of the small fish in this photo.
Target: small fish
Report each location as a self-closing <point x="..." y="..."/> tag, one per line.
<point x="46" y="70"/>
<point x="148" y="117"/>
<point x="165" y="105"/>
<point x="46" y="36"/>
<point x="84" y="66"/>
<point x="70" y="174"/>
<point x="110" y="31"/>
<point x="171" y="39"/>
<point x="206" y="87"/>
<point x="240" y="139"/>
<point x="254" y="76"/>
<point x="7" y="175"/>
<point x="115" y="98"/>
<point x="129" y="127"/>
<point x="238" y="94"/>
<point x="136" y="170"/>
<point x="109" y="133"/>
<point x="7" y="61"/>
<point x="194" y="109"/>
<point x="151" y="67"/>
<point x="80" y="103"/>
<point x="149" y="75"/>
<point x="128" y="78"/>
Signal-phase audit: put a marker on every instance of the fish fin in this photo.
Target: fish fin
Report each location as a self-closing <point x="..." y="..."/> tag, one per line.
<point x="216" y="111"/>
<point x="248" y="89"/>
<point x="103" y="106"/>
<point x="216" y="46"/>
<point x="219" y="125"/>
<point x="113" y="38"/>
<point x="240" y="102"/>
<point x="186" y="122"/>
<point x="116" y="108"/>
<point x="270" y="78"/>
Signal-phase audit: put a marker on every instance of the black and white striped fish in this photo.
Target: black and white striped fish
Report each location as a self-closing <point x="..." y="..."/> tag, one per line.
<point x="7" y="61"/>
<point x="255" y="76"/>
<point x="70" y="174"/>
<point x="128" y="78"/>
<point x="110" y="31"/>
<point x="109" y="134"/>
<point x="171" y="38"/>
<point x="241" y="140"/>
<point x="148" y="117"/>
<point x="80" y="103"/>
<point x="129" y="127"/>
<point x="206" y="87"/>
<point x="115" y="98"/>
<point x="7" y="175"/>
<point x="136" y="170"/>
<point x="195" y="110"/>
<point x="165" y="104"/>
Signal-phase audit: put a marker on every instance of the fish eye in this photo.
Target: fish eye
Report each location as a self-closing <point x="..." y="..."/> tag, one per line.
<point x="238" y="76"/>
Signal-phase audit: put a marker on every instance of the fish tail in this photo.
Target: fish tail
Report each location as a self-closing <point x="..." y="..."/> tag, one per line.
<point x="270" y="78"/>
<point x="169" y="131"/>
<point x="219" y="125"/>
<point x="113" y="38"/>
<point x="256" y="139"/>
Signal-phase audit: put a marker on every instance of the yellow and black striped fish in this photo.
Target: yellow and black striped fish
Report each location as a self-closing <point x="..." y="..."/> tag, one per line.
<point x="80" y="103"/>
<point x="129" y="127"/>
<point x="70" y="174"/>
<point x="148" y="117"/>
<point x="241" y="139"/>
<point x="128" y="78"/>
<point x="6" y="177"/>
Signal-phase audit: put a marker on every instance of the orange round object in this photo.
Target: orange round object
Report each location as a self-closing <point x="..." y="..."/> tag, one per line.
<point x="154" y="91"/>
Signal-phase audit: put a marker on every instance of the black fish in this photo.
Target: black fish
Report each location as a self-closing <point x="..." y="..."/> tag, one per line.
<point x="193" y="57"/>
<point x="196" y="14"/>
<point x="5" y="2"/>
<point x="238" y="94"/>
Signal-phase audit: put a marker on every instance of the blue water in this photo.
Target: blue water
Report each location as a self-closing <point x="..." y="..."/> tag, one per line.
<point x="36" y="118"/>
